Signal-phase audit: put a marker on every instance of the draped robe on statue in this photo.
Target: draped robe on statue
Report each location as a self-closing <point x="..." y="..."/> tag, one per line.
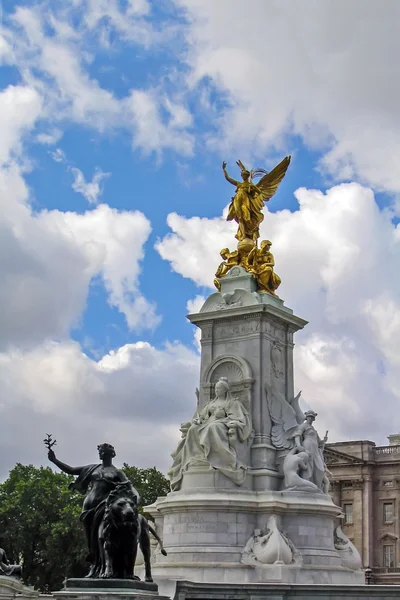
<point x="210" y="439"/>
<point x="311" y="441"/>
<point x="97" y="482"/>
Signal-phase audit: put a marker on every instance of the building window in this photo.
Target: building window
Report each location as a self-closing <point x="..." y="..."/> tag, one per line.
<point x="348" y="513"/>
<point x="388" y="556"/>
<point x="388" y="483"/>
<point x="388" y="512"/>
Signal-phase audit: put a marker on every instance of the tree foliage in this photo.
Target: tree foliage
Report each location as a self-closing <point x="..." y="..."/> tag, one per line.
<point x="39" y="524"/>
<point x="150" y="483"/>
<point x="39" y="521"/>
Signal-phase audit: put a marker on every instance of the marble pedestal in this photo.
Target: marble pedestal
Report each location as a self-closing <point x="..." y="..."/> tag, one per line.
<point x="246" y="338"/>
<point x="205" y="534"/>
<point x="11" y="588"/>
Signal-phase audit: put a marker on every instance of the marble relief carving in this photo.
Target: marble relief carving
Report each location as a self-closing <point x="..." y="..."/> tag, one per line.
<point x="271" y="547"/>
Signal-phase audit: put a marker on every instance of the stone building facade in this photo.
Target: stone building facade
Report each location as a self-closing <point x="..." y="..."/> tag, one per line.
<point x="366" y="484"/>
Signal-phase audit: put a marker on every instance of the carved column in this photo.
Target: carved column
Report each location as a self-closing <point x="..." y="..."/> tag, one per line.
<point x="358" y="516"/>
<point x="368" y="535"/>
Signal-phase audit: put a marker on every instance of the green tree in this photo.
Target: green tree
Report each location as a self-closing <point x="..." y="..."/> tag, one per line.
<point x="150" y="483"/>
<point x="39" y="525"/>
<point x="39" y="521"/>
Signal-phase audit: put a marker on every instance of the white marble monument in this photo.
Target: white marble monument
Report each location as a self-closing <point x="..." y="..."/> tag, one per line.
<point x="249" y="499"/>
<point x="12" y="587"/>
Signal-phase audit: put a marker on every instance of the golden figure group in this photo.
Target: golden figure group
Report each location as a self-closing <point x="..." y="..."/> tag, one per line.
<point x="259" y="261"/>
<point x="246" y="209"/>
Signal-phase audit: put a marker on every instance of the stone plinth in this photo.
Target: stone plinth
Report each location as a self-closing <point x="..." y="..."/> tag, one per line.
<point x="186" y="590"/>
<point x="11" y="588"/>
<point x="205" y="534"/>
<point x="117" y="589"/>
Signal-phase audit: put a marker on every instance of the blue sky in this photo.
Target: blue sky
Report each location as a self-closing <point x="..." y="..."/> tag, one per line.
<point x="116" y="117"/>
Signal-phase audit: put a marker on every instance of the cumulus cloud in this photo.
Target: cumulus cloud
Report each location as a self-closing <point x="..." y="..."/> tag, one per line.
<point x="72" y="91"/>
<point x="272" y="71"/>
<point x="20" y="107"/>
<point x="91" y="190"/>
<point x="338" y="257"/>
<point x="54" y="58"/>
<point x="120" y="399"/>
<point x="49" y="258"/>
<point x="327" y="72"/>
<point x="193" y="306"/>
<point x="145" y="108"/>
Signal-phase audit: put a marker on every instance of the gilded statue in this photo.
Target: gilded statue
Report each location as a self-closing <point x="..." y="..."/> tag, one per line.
<point x="247" y="203"/>
<point x="229" y="260"/>
<point x="246" y="209"/>
<point x="261" y="263"/>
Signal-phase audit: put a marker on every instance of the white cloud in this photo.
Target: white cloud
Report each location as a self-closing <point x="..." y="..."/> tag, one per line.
<point x="134" y="398"/>
<point x="58" y="155"/>
<point x="49" y="138"/>
<point x="338" y="257"/>
<point x="193" y="306"/>
<point x="107" y="16"/>
<point x="20" y="107"/>
<point x="72" y="91"/>
<point x="49" y="258"/>
<point x="328" y="72"/>
<point x="91" y="190"/>
<point x="54" y="59"/>
<point x="152" y="132"/>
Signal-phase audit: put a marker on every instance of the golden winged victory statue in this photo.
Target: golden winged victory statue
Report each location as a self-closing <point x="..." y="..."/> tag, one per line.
<point x="246" y="209"/>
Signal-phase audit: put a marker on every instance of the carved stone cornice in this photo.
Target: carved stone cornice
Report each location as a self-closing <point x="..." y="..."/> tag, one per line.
<point x="333" y="457"/>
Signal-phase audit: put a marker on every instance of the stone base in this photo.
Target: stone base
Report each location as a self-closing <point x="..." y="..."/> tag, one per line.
<point x="11" y="587"/>
<point x="205" y="535"/>
<point x="187" y="590"/>
<point x="117" y="589"/>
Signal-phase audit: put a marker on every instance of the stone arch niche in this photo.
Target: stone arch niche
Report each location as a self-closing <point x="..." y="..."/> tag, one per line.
<point x="238" y="373"/>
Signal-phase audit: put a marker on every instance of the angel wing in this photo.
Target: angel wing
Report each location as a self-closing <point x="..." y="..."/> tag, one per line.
<point x="298" y="412"/>
<point x="270" y="182"/>
<point x="284" y="420"/>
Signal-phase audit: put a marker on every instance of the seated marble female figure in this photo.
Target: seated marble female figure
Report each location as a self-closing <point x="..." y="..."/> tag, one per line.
<point x="211" y="437"/>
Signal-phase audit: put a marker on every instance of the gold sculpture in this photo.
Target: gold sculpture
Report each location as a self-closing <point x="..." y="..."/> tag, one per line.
<point x="248" y="201"/>
<point x="246" y="209"/>
<point x="229" y="260"/>
<point x="261" y="263"/>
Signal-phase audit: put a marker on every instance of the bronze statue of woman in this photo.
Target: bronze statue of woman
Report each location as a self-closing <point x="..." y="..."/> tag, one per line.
<point x="96" y="481"/>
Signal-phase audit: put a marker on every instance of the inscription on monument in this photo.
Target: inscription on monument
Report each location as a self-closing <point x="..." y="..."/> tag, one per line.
<point x="236" y="330"/>
<point x="175" y="519"/>
<point x="176" y="524"/>
<point x="203" y="528"/>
